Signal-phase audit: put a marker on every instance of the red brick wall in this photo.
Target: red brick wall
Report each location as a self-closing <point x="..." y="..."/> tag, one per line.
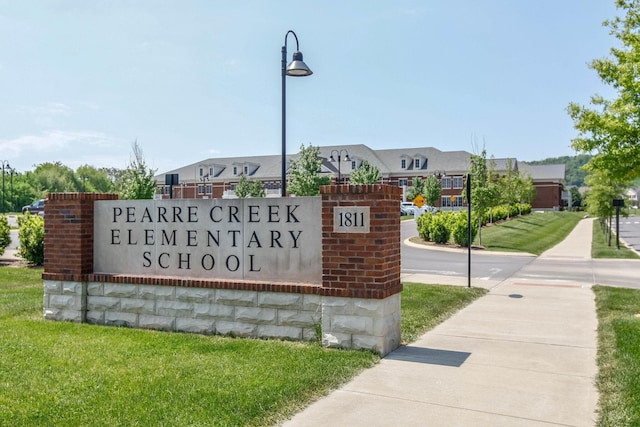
<point x="362" y="265"/>
<point x="68" y="234"/>
<point x="548" y="195"/>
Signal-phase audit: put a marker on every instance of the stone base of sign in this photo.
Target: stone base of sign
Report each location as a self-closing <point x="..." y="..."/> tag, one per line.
<point x="354" y="323"/>
<point x="359" y="323"/>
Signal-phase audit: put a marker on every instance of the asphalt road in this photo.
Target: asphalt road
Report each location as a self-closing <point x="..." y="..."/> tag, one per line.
<point x="495" y="267"/>
<point x="630" y="231"/>
<point x="484" y="266"/>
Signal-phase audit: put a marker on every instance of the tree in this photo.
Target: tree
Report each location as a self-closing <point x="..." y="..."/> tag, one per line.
<point x="525" y="189"/>
<point x="138" y="180"/>
<point x="52" y="178"/>
<point x="304" y="174"/>
<point x="432" y="190"/>
<point x="483" y="189"/>
<point x="514" y="188"/>
<point x="576" y="197"/>
<point x="257" y="189"/>
<point x="248" y="188"/>
<point x="508" y="185"/>
<point x="604" y="187"/>
<point x="611" y="127"/>
<point x="242" y="188"/>
<point x="366" y="173"/>
<point x="93" y="180"/>
<point x="417" y="188"/>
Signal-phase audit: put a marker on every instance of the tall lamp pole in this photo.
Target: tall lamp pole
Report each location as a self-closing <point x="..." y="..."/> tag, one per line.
<point x="297" y="68"/>
<point x="332" y="159"/>
<point x="5" y="163"/>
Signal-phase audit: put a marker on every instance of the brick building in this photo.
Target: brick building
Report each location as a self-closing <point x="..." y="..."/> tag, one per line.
<point x="218" y="177"/>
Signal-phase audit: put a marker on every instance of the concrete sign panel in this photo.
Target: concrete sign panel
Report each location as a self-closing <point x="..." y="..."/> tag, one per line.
<point x="351" y="219"/>
<point x="270" y="239"/>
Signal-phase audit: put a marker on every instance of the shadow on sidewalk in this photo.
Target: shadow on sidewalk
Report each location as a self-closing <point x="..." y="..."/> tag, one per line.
<point x="429" y="356"/>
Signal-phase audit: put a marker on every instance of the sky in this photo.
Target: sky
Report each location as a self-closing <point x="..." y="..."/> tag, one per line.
<point x="188" y="80"/>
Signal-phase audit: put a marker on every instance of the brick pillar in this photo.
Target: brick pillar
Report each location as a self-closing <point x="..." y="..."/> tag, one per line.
<point x="363" y="265"/>
<point x="68" y="235"/>
<point x="361" y="270"/>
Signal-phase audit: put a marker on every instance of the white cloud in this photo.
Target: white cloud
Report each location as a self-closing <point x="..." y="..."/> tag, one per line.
<point x="72" y="148"/>
<point x="48" y="109"/>
<point x="46" y="115"/>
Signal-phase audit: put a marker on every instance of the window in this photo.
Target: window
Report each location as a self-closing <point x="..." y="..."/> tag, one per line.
<point x="209" y="188"/>
<point x="235" y="170"/>
<point x="246" y="170"/>
<point x="200" y="189"/>
<point x="210" y="171"/>
<point x="201" y="171"/>
<point x="402" y="182"/>
<point x="416" y="163"/>
<point x="403" y="164"/>
<point x="457" y="182"/>
<point x="445" y="201"/>
<point x="353" y="164"/>
<point x="445" y="183"/>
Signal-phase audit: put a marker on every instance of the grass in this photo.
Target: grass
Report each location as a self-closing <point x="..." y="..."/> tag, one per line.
<point x="601" y="249"/>
<point x="618" y="355"/>
<point x="66" y="374"/>
<point x="533" y="233"/>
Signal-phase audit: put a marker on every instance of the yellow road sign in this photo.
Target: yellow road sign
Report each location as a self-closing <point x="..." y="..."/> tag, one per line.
<point x="419" y="201"/>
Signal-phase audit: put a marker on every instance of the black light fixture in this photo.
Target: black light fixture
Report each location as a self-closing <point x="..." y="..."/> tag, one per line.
<point x="439" y="174"/>
<point x="5" y="163"/>
<point x="297" y="68"/>
<point x="332" y="159"/>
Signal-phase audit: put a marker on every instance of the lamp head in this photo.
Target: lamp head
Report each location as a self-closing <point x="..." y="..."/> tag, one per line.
<point x="297" y="67"/>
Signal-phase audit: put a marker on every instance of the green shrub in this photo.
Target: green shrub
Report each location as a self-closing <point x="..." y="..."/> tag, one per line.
<point x="439" y="229"/>
<point x="5" y="236"/>
<point x="499" y="213"/>
<point x="460" y="231"/>
<point x="31" y="235"/>
<point x="525" y="208"/>
<point x="424" y="222"/>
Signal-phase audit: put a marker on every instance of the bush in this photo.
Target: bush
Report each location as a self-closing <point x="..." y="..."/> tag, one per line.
<point x="424" y="222"/>
<point x="5" y="236"/>
<point x="499" y="213"/>
<point x="439" y="229"/>
<point x="460" y="231"/>
<point x="525" y="208"/>
<point x="31" y="235"/>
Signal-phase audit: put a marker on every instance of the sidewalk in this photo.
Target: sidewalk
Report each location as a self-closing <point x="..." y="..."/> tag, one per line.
<point x="522" y="355"/>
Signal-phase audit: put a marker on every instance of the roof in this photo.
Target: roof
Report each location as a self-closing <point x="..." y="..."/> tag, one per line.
<point x="417" y="161"/>
<point x="543" y="172"/>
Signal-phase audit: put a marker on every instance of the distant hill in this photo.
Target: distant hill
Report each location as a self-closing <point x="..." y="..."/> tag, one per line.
<point x="573" y="167"/>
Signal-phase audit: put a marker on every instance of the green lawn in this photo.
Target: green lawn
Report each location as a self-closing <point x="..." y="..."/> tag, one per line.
<point x="534" y="233"/>
<point x="600" y="246"/>
<point x="618" y="356"/>
<point x="67" y="374"/>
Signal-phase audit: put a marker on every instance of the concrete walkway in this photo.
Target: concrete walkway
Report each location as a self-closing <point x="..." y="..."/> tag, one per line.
<point x="524" y="355"/>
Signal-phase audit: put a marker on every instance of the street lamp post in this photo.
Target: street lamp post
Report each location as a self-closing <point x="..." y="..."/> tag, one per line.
<point x="297" y="68"/>
<point x="4" y="163"/>
<point x="332" y="159"/>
